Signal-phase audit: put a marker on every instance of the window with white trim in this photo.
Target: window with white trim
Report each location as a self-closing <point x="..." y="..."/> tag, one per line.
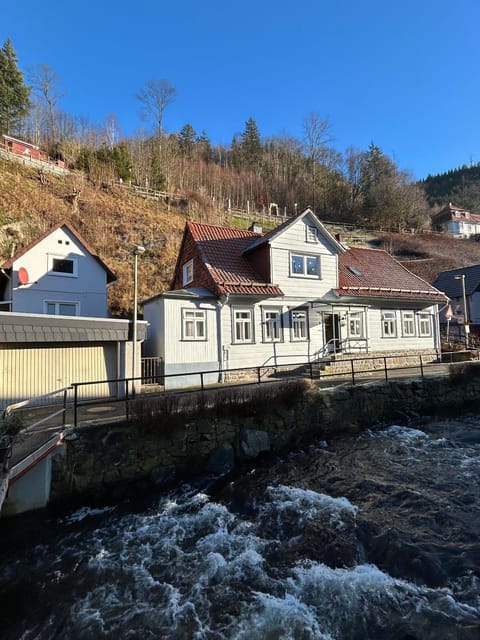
<point x="424" y="324"/>
<point x="355" y="325"/>
<point x="299" y="324"/>
<point x="408" y="324"/>
<point x="311" y="234"/>
<point x="305" y="266"/>
<point x="61" y="308"/>
<point x="242" y="326"/>
<point x="62" y="266"/>
<point x="188" y="272"/>
<point x="272" y="325"/>
<point x="194" y="324"/>
<point x="389" y="324"/>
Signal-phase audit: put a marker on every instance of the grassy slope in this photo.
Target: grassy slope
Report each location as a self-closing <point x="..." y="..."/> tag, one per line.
<point x="109" y="219"/>
<point x="113" y="222"/>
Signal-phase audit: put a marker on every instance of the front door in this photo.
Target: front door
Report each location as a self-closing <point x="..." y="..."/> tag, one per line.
<point x="331" y="323"/>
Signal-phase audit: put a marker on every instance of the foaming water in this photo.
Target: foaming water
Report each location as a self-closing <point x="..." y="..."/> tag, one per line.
<point x="374" y="536"/>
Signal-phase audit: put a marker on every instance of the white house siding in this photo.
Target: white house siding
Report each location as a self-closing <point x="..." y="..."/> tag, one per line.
<point x="27" y="371"/>
<point x="379" y="343"/>
<point x="265" y="353"/>
<point x="87" y="287"/>
<point x="181" y="355"/>
<point x="293" y="240"/>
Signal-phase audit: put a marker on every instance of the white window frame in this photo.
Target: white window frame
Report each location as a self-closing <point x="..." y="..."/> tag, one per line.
<point x="51" y="260"/>
<point x="305" y="257"/>
<point x="299" y="325"/>
<point x="389" y="324"/>
<point x="57" y="303"/>
<point x="187" y="272"/>
<point x="242" y="324"/>
<point x="272" y="326"/>
<point x="192" y="320"/>
<point x="408" y="324"/>
<point x="311" y="234"/>
<point x="424" y="317"/>
<point x="355" y="325"/>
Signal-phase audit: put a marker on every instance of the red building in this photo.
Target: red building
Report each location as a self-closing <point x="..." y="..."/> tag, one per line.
<point x="22" y="148"/>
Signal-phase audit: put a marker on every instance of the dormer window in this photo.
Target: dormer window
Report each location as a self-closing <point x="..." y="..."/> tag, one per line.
<point x="311" y="234"/>
<point x="305" y="266"/>
<point x="187" y="272"/>
<point x="62" y="266"/>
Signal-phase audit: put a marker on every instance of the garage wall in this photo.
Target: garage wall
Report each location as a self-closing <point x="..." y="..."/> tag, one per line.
<point x="27" y="371"/>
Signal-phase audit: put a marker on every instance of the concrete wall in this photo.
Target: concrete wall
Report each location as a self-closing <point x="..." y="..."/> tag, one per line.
<point x="117" y="460"/>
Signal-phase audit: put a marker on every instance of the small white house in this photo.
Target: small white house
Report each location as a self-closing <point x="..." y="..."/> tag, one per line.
<point x="57" y="274"/>
<point x="294" y="295"/>
<point x="55" y="327"/>
<point x="456" y="221"/>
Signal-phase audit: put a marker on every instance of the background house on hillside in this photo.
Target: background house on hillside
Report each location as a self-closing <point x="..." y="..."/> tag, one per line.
<point x="294" y="295"/>
<point x="456" y="221"/>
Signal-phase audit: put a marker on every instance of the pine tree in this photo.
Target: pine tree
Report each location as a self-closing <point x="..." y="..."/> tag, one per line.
<point x="14" y="94"/>
<point x="186" y="140"/>
<point x="251" y="146"/>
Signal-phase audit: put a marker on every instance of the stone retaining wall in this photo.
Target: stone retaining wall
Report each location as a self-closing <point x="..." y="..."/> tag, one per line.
<point x="110" y="461"/>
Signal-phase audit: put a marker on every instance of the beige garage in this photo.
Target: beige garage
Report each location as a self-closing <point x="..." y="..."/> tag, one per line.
<point x="39" y="354"/>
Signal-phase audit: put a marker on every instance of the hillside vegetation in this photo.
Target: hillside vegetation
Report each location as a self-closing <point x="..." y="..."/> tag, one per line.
<point x="110" y="220"/>
<point x="113" y="221"/>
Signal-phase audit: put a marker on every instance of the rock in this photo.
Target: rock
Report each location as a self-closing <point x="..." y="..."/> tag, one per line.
<point x="222" y="460"/>
<point x="253" y="442"/>
<point x="163" y="477"/>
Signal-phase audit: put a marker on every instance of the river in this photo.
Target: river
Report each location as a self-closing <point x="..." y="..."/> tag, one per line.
<point x="370" y="536"/>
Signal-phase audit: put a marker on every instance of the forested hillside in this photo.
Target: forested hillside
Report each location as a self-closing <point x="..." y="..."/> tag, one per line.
<point x="460" y="186"/>
<point x="203" y="181"/>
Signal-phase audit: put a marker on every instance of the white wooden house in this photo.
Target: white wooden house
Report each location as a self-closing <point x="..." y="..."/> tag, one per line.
<point x="243" y="299"/>
<point x="456" y="221"/>
<point x="57" y="274"/>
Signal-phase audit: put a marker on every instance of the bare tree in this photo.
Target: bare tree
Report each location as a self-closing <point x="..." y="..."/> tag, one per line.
<point x="316" y="137"/>
<point x="44" y="81"/>
<point x="155" y="97"/>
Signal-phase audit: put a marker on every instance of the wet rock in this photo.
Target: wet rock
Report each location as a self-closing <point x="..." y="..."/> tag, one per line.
<point x="222" y="460"/>
<point x="253" y="442"/>
<point x="162" y="477"/>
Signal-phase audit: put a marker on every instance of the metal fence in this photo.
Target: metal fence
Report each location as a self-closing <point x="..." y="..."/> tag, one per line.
<point x="154" y="381"/>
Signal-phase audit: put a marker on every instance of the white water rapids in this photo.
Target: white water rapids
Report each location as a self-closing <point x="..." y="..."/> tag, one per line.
<point x="366" y="537"/>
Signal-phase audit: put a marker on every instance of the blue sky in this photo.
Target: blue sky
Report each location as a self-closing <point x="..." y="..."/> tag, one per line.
<point x="402" y="74"/>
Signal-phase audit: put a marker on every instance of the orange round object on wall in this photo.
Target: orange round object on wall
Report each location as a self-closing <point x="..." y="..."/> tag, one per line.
<point x="23" y="275"/>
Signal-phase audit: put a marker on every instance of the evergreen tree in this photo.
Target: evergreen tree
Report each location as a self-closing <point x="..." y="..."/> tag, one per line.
<point x="14" y="94"/>
<point x="186" y="140"/>
<point x="251" y="146"/>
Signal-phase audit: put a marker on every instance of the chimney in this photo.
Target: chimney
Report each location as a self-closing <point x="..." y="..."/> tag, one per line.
<point x="256" y="227"/>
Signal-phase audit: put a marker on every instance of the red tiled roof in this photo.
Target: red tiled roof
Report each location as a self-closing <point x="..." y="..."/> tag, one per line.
<point x="221" y="251"/>
<point x="375" y="273"/>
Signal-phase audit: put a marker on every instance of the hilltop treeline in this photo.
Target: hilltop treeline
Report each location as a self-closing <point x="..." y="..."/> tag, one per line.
<point x="359" y="186"/>
<point x="460" y="186"/>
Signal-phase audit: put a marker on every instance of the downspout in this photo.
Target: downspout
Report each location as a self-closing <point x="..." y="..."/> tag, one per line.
<point x="438" y="343"/>
<point x="221" y="351"/>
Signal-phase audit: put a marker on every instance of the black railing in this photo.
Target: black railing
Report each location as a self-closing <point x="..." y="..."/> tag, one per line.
<point x="87" y="396"/>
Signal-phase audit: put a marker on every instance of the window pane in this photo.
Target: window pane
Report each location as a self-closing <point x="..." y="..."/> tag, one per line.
<point x="313" y="266"/>
<point x="62" y="266"/>
<point x="51" y="307"/>
<point x="297" y="264"/>
<point x="189" y="333"/>
<point x="200" y="329"/>
<point x="66" y="309"/>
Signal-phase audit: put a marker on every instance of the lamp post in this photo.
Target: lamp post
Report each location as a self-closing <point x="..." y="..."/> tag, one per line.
<point x="137" y="251"/>
<point x="466" y="326"/>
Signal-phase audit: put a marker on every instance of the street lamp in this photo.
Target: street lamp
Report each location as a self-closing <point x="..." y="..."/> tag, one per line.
<point x="466" y="326"/>
<point x="137" y="251"/>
